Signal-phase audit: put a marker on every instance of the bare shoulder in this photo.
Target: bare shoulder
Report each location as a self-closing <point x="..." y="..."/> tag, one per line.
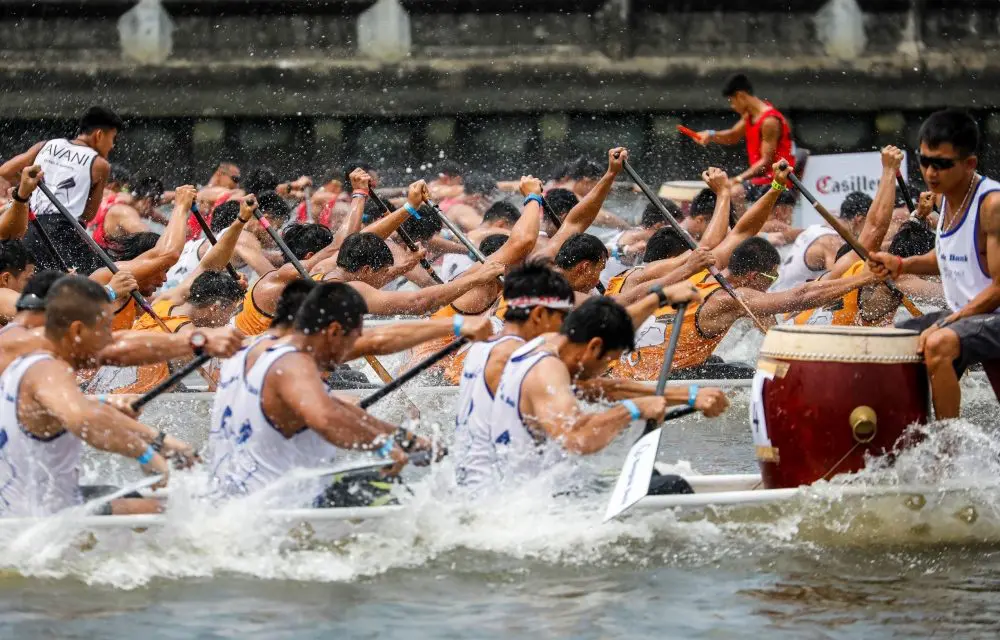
<point x="990" y="213"/>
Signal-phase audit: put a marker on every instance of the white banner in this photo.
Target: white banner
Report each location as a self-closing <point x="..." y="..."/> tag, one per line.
<point x="831" y="177"/>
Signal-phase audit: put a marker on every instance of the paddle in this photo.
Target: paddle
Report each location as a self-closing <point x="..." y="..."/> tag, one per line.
<point x="406" y="238"/>
<point x="682" y="232"/>
<point x="371" y="360"/>
<point x="691" y="133"/>
<point x="847" y="236"/>
<point x="113" y="268"/>
<point x="207" y="230"/>
<point x="455" y="231"/>
<point x="412" y="373"/>
<point x="550" y="214"/>
<point x="639" y="463"/>
<point x="170" y="381"/>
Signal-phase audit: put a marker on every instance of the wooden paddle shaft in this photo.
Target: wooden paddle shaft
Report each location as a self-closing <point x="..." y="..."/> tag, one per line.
<point x="207" y="230"/>
<point x="412" y="373"/>
<point x="169" y="382"/>
<point x="668" y="359"/>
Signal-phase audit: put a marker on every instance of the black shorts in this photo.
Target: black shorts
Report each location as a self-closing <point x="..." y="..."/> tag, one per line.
<point x="978" y="336"/>
<point x="73" y="249"/>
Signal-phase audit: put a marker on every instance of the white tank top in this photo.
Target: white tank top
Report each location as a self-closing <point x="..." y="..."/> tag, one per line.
<point x="473" y="448"/>
<point x="963" y="276"/>
<point x="38" y="476"/>
<point x="232" y="374"/>
<point x="67" y="174"/>
<point x="187" y="263"/>
<point x="258" y="453"/>
<point x="794" y="270"/>
<point x="516" y="450"/>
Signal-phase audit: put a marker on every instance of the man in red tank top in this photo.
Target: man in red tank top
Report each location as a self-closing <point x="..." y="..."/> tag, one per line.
<point x="766" y="130"/>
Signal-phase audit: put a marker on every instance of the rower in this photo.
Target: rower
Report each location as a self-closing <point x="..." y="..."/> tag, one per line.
<point x="627" y="247"/>
<point x="30" y="305"/>
<point x="581" y="259"/>
<point x="125" y="219"/>
<point x="967" y="258"/>
<point x="45" y="418"/>
<point x="76" y="171"/>
<point x="17" y="266"/>
<point x="751" y="264"/>
<point x="278" y="414"/>
<point x="535" y="403"/>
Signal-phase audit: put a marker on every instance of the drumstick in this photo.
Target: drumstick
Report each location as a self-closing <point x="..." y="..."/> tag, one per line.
<point x="691" y="133"/>
<point x="682" y="232"/>
<point x="907" y="198"/>
<point x="848" y="237"/>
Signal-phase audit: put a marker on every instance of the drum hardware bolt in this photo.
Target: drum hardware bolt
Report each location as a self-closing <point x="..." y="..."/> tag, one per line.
<point x="968" y="514"/>
<point x="915" y="502"/>
<point x="864" y="424"/>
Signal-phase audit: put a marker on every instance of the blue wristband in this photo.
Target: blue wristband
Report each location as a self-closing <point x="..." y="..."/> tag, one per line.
<point x="711" y="133"/>
<point x="692" y="395"/>
<point x="147" y="455"/>
<point x="537" y="198"/>
<point x="456" y="324"/>
<point x="633" y="409"/>
<point x="112" y="296"/>
<point x="386" y="448"/>
<point x="411" y="210"/>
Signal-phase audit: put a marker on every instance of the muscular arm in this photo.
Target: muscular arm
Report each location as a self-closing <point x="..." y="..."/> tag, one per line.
<point x="581" y="216"/>
<point x="415" y="302"/>
<point x="876" y="222"/>
<point x="351" y="224"/>
<point x="100" y="170"/>
<point x="733" y="134"/>
<point x="10" y="169"/>
<point x="925" y="265"/>
<point x="548" y="404"/>
<point x="52" y="385"/>
<point x="249" y="250"/>
<point x="748" y="225"/>
<point x="398" y="336"/>
<point x="8" y="302"/>
<point x="615" y="389"/>
<point x="134" y="348"/>
<point x="126" y="218"/>
<point x="681" y="273"/>
<point x="718" y="226"/>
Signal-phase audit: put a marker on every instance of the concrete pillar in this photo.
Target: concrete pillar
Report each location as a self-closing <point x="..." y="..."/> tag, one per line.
<point x="384" y="31"/>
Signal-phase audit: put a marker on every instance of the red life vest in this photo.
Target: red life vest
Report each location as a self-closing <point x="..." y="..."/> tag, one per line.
<point x="753" y="138"/>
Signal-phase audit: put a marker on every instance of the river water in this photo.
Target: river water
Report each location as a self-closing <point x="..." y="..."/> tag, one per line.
<point x="532" y="565"/>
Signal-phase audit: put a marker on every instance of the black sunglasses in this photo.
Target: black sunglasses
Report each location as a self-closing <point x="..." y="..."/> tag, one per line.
<point x="938" y="163"/>
<point x="235" y="179"/>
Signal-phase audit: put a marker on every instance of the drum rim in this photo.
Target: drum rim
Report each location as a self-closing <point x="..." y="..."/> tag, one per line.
<point x="833" y="330"/>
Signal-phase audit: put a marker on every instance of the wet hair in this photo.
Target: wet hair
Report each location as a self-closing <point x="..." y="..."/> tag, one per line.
<point x="785" y="198"/>
<point x="363" y="249"/>
<point x="120" y="174"/>
<point x="855" y="204"/>
<point x="261" y="179"/>
<point x="561" y="201"/>
<point x="665" y="243"/>
<point x="14" y="257"/>
<point x="534" y="278"/>
<point x="424" y="228"/>
<point x="581" y="247"/>
<point x="585" y="169"/>
<point x="148" y="188"/>
<point x="224" y="215"/>
<point x="703" y="204"/>
<point x="560" y="171"/>
<point x="480" y="183"/>
<point x="652" y="216"/>
<point x="212" y="287"/>
<point x="290" y="301"/>
<point x="954" y="126"/>
<point x="502" y="210"/>
<point x="912" y="239"/>
<point x="307" y="238"/>
<point x="448" y="168"/>
<point x="133" y="245"/>
<point x="98" y="117"/>
<point x="273" y="206"/>
<point x="735" y="83"/>
<point x="754" y="254"/>
<point x="351" y="166"/>
<point x="600" y="318"/>
<point x="74" y="298"/>
<point x="331" y="302"/>
<point x="372" y="212"/>
<point x="34" y="293"/>
<point x="492" y="243"/>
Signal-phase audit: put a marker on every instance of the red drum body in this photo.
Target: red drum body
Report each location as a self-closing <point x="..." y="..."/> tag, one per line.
<point x="823" y="397"/>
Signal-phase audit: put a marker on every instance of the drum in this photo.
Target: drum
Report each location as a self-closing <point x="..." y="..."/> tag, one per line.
<point x="823" y="397"/>
<point x="682" y="192"/>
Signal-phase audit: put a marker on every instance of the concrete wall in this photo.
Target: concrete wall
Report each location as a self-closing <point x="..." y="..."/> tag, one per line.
<point x="501" y="84"/>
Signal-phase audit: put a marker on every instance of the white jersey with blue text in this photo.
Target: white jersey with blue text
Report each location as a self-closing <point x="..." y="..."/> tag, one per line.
<point x="963" y="275"/>
<point x="38" y="475"/>
<point x="186" y="264"/>
<point x="516" y="449"/>
<point x="67" y="173"/>
<point x="254" y="452"/>
<point x="473" y="450"/>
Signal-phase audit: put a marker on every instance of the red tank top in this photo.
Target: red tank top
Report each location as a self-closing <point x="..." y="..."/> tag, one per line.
<point x="753" y="138"/>
<point x="97" y="224"/>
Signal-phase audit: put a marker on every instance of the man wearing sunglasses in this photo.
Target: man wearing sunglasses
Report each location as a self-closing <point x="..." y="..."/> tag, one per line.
<point x="967" y="259"/>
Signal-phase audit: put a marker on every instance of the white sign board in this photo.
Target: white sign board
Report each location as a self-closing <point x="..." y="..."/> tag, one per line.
<point x="633" y="483"/>
<point x="831" y="177"/>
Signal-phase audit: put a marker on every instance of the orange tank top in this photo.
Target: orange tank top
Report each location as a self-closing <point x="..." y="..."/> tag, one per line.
<point x="844" y="312"/>
<point x="124" y="317"/>
<point x="163" y="309"/>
